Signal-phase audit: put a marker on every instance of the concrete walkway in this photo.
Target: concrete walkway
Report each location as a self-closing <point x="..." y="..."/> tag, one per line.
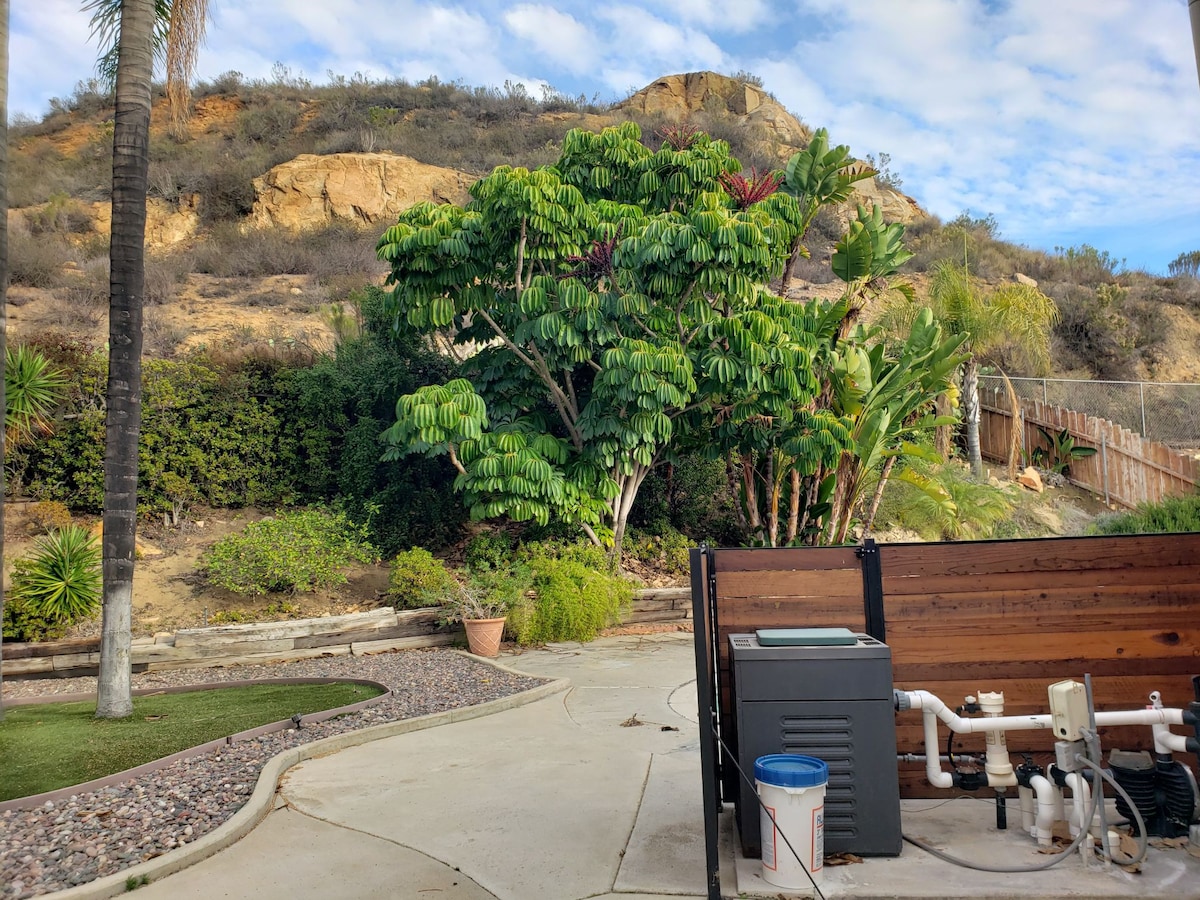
<point x="591" y="793"/>
<point x="550" y="801"/>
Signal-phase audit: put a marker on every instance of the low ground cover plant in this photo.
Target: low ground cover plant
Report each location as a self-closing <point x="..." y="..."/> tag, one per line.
<point x="298" y="550"/>
<point x="1174" y="514"/>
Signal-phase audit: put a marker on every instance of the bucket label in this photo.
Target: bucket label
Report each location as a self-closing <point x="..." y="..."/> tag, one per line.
<point x="818" y="839"/>
<point x="768" y="847"/>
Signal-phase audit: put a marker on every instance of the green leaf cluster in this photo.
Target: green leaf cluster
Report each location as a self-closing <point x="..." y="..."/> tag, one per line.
<point x="210" y="432"/>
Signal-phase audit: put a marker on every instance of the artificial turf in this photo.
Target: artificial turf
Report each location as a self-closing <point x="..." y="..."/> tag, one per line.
<point x="54" y="745"/>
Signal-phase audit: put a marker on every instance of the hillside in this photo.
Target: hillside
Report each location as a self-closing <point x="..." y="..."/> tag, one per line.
<point x="263" y="224"/>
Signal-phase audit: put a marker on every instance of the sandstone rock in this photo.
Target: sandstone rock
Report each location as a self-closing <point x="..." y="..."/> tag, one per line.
<point x="1031" y="479"/>
<point x="167" y="223"/>
<point x="1019" y="278"/>
<point x="679" y="95"/>
<point x="364" y="188"/>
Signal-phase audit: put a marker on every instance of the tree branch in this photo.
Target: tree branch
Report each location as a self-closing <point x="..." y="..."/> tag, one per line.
<point x="521" y="258"/>
<point x="454" y="460"/>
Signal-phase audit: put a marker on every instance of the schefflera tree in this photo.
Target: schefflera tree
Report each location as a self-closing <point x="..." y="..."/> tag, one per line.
<point x="613" y="294"/>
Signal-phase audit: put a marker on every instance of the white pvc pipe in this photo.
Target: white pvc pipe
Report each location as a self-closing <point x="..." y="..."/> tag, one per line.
<point x="1028" y="817"/>
<point x="1166" y="742"/>
<point x="1081" y="796"/>
<point x="933" y="764"/>
<point x="927" y="702"/>
<point x="1049" y="801"/>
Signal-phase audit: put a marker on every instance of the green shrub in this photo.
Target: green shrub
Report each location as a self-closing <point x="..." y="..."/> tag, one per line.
<point x="55" y="586"/>
<point x="690" y="495"/>
<point x="1174" y="514"/>
<point x="489" y="550"/>
<point x="574" y="595"/>
<point x="301" y="550"/>
<point x="419" y="579"/>
<point x="220" y="427"/>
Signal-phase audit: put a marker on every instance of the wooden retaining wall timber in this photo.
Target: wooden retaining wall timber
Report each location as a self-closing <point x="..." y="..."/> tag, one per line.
<point x="1011" y="616"/>
<point x="356" y="634"/>
<point x="1127" y="469"/>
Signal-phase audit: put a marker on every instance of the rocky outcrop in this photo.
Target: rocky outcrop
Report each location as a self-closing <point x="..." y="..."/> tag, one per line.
<point x="365" y="188"/>
<point x="167" y="223"/>
<point x="677" y="96"/>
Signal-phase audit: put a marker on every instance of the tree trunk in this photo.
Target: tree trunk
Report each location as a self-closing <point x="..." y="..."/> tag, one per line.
<point x="623" y="506"/>
<point x="131" y="162"/>
<point x="970" y="400"/>
<point x="869" y="518"/>
<point x="772" y="487"/>
<point x="793" y="525"/>
<point x="3" y="300"/>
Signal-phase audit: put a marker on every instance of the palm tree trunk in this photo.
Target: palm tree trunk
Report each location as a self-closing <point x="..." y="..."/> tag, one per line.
<point x="131" y="163"/>
<point x="970" y="397"/>
<point x="3" y="298"/>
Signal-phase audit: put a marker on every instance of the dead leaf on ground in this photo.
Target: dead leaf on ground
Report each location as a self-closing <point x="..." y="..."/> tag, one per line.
<point x="1194" y="850"/>
<point x="842" y="859"/>
<point x="632" y="721"/>
<point x="154" y="718"/>
<point x="1168" y="843"/>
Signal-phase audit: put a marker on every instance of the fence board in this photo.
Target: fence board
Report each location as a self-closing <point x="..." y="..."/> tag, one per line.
<point x="1129" y="469"/>
<point x="1013" y="616"/>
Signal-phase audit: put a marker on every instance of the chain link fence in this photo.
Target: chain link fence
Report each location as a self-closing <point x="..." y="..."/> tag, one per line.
<point x="1168" y="413"/>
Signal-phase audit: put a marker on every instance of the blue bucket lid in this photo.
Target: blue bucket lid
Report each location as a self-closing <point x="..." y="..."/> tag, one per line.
<point x="791" y="770"/>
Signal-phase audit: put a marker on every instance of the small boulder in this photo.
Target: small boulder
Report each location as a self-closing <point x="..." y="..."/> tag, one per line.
<point x="1031" y="479"/>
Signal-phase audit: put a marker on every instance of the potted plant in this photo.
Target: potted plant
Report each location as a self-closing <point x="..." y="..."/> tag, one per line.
<point x="482" y="612"/>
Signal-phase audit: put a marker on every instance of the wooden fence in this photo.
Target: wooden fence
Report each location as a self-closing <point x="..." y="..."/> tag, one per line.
<point x="357" y="634"/>
<point x="1127" y="469"/>
<point x="1011" y="616"/>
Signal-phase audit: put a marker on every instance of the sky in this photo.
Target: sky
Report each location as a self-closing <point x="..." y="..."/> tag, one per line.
<point x="1071" y="121"/>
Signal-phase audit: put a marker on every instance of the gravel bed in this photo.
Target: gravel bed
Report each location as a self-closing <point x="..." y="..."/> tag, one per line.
<point x="86" y="836"/>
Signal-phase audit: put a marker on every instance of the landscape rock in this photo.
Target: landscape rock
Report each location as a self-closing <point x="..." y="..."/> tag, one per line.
<point x="1021" y="278"/>
<point x="361" y="188"/>
<point x="1031" y="479"/>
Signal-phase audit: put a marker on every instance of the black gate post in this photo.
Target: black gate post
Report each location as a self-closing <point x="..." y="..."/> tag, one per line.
<point x="706" y="695"/>
<point x="872" y="571"/>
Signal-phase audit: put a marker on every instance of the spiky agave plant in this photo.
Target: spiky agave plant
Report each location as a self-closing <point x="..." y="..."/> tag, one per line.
<point x="59" y="581"/>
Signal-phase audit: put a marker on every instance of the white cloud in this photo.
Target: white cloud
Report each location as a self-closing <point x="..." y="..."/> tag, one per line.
<point x="557" y="36"/>
<point x="649" y="40"/>
<point x="719" y="15"/>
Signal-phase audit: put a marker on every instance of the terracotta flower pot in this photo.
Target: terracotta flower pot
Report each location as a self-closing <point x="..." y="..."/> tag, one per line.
<point x="483" y="635"/>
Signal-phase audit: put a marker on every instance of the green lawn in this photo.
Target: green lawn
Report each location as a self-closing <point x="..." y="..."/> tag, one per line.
<point x="54" y="745"/>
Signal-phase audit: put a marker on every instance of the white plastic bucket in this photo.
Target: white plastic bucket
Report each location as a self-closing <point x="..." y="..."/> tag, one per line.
<point x="792" y="787"/>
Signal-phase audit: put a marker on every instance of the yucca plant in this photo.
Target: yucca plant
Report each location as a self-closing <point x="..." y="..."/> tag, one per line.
<point x="32" y="390"/>
<point x="59" y="580"/>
